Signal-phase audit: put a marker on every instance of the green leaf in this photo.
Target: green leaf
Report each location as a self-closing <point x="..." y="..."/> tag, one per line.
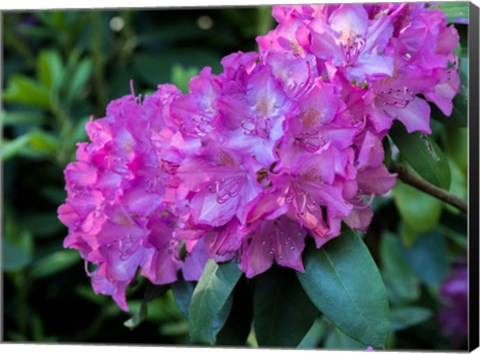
<point x="80" y="77"/>
<point x="181" y="76"/>
<point x="171" y="329"/>
<point x="24" y="90"/>
<point x="210" y="300"/>
<point x="138" y="316"/>
<point x="155" y="69"/>
<point x="404" y="317"/>
<point x="79" y="132"/>
<point x="162" y="308"/>
<point x="153" y="292"/>
<point x="338" y="340"/>
<point x="12" y="148"/>
<point x="22" y="118"/>
<point x="265" y="21"/>
<point x="423" y="154"/>
<point x="428" y="258"/>
<point x="458" y="149"/>
<point x="14" y="257"/>
<point x="408" y="234"/>
<point x="183" y="291"/>
<point x="314" y="335"/>
<point x="53" y="194"/>
<point x="43" y="224"/>
<point x="419" y="210"/>
<point x="402" y="284"/>
<point x="455" y="10"/>
<point x="282" y="312"/>
<point x="50" y="69"/>
<point x="43" y="142"/>
<point x="54" y="263"/>
<point x="343" y="281"/>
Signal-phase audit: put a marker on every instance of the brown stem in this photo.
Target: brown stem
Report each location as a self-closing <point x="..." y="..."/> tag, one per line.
<point x="409" y="178"/>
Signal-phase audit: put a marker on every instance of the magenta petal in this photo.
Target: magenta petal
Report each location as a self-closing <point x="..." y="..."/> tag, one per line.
<point x="117" y="289"/>
<point x="359" y="218"/>
<point x="142" y="202"/>
<point x="195" y="262"/>
<point x="225" y="241"/>
<point x="371" y="152"/>
<point x="415" y="116"/>
<point x="258" y="255"/>
<point x="371" y="66"/>
<point x="81" y="174"/>
<point x="323" y="42"/>
<point x="349" y="19"/>
<point x="376" y="180"/>
<point x="206" y="209"/>
<point x="290" y="242"/>
<point x="68" y="215"/>
<point x="160" y="267"/>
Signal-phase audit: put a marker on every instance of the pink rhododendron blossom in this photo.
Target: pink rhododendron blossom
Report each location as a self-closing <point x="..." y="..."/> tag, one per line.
<point x="283" y="145"/>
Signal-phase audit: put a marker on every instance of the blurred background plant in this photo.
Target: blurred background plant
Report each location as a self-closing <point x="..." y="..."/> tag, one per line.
<point x="61" y="67"/>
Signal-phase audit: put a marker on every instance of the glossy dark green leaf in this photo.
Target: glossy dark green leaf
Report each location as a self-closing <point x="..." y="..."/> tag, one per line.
<point x="314" y="335"/>
<point x="210" y="299"/>
<point x="336" y="340"/>
<point x="403" y="285"/>
<point x="343" y="281"/>
<point x="282" y="312"/>
<point x="138" y="316"/>
<point x="455" y="11"/>
<point x="237" y="328"/>
<point x="404" y="317"/>
<point x="153" y="292"/>
<point x="182" y="292"/>
<point x="423" y="154"/>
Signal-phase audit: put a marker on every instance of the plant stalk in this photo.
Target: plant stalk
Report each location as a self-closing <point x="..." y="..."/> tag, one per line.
<point x="409" y="178"/>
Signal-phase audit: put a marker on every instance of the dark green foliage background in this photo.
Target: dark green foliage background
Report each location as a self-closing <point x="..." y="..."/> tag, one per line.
<point x="59" y="68"/>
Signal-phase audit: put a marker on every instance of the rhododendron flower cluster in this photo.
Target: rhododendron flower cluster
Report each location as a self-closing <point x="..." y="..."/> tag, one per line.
<point x="282" y="145"/>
